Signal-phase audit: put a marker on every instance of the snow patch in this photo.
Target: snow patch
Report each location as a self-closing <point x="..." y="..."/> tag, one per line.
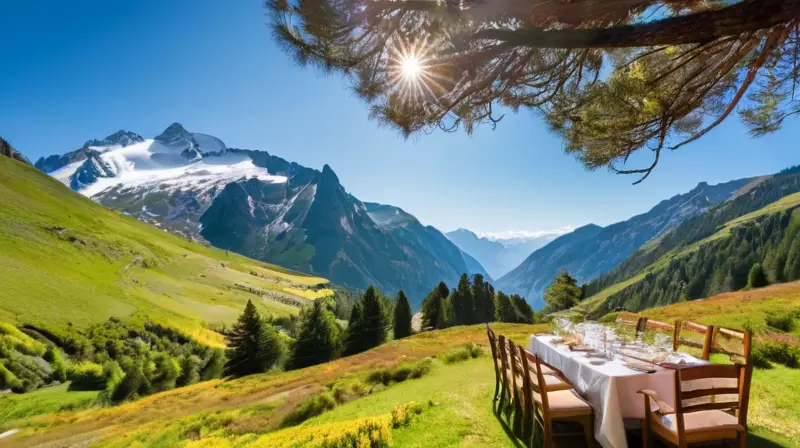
<point x="252" y="206"/>
<point x="345" y="225"/>
<point x="152" y="164"/>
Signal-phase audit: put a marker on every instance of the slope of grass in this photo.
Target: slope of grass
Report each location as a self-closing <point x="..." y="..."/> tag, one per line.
<point x="65" y="259"/>
<point x="44" y="401"/>
<point x="593" y="303"/>
<point x="158" y="413"/>
<point x="457" y="399"/>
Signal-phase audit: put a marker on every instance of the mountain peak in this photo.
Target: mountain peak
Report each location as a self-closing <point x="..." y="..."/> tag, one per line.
<point x="174" y="133"/>
<point x="121" y="138"/>
<point x="327" y="173"/>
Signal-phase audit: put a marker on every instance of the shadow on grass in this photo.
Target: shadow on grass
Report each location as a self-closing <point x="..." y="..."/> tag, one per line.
<point x="498" y="413"/>
<point x="754" y="441"/>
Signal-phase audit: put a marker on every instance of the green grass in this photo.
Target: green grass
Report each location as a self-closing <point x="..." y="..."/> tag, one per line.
<point x="593" y="303"/>
<point x="44" y="401"/>
<point x="65" y="259"/>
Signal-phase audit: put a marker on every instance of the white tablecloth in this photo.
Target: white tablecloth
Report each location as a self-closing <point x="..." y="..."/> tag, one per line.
<point x="610" y="388"/>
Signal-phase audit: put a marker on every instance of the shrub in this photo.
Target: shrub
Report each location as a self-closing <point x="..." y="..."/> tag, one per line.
<point x="56" y="359"/>
<point x="782" y="321"/>
<point x="471" y="351"/>
<point x="86" y="376"/>
<point x="8" y="380"/>
<point x="348" y="390"/>
<point x="311" y="407"/>
<point x="402" y="415"/>
<point x="114" y="375"/>
<point x="400" y="373"/>
<point x="365" y="432"/>
<point x="779" y="352"/>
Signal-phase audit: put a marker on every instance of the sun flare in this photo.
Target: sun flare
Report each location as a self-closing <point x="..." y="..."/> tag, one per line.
<point x="412" y="66"/>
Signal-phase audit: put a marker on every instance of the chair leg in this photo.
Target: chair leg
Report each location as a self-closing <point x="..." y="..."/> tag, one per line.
<point x="588" y="430"/>
<point x="743" y="440"/>
<point x="645" y="433"/>
<point x="496" y="386"/>
<point x="517" y="425"/>
<point x="548" y="433"/>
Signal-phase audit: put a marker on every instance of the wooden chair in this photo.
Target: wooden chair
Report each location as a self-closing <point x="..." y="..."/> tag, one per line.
<point x="704" y="333"/>
<point x="641" y="326"/>
<point x="507" y="388"/>
<point x="702" y="396"/>
<point x="734" y="343"/>
<point x="496" y="358"/>
<point x="547" y="404"/>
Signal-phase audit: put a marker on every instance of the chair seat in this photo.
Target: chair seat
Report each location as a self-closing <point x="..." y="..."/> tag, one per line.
<point x="703" y="421"/>
<point x="553" y="382"/>
<point x="565" y="403"/>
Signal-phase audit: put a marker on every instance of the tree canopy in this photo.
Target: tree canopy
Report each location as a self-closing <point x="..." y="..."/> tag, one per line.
<point x="612" y="77"/>
<point x="563" y="293"/>
<point x="402" y="316"/>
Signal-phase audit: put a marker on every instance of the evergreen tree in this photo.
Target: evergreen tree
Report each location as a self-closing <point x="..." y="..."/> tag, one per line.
<point x="317" y="336"/>
<point x="375" y="318"/>
<point x="563" y="293"/>
<point x="525" y="314"/>
<point x="214" y="366"/>
<point x="402" y="316"/>
<point x="253" y="346"/>
<point x="354" y="336"/>
<point x="505" y="308"/>
<point x="483" y="300"/>
<point x="757" y="278"/>
<point x="433" y="312"/>
<point x="462" y="302"/>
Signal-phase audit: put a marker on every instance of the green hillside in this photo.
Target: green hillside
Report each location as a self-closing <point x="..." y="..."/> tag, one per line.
<point x="707" y="255"/>
<point x="65" y="259"/>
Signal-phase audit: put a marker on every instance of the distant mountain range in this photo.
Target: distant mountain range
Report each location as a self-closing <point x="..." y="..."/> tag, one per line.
<point x="262" y="206"/>
<point x="499" y="256"/>
<point x="591" y="251"/>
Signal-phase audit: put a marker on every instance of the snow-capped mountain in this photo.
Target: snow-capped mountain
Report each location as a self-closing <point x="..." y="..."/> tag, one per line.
<point x="262" y="206"/>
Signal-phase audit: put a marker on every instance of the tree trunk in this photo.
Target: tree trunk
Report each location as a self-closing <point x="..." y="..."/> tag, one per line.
<point x="743" y="17"/>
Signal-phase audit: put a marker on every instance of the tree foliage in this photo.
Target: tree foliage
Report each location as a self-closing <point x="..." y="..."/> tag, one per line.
<point x="318" y="336"/>
<point x="612" y="77"/>
<point x="757" y="278"/>
<point x="369" y="323"/>
<point x="563" y="293"/>
<point x="253" y="345"/>
<point x="402" y="316"/>
<point x="434" y="307"/>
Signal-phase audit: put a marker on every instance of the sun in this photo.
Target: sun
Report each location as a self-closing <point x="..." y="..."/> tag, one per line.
<point x="411" y="66"/>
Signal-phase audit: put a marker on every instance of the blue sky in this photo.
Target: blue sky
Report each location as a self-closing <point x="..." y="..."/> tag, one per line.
<point x="77" y="70"/>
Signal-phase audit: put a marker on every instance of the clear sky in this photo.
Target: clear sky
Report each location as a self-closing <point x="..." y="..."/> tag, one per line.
<point x="71" y="71"/>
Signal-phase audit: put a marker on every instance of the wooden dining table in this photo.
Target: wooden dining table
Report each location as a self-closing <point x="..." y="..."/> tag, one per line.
<point x="610" y="386"/>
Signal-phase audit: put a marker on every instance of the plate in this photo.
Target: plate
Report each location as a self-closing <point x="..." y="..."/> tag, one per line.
<point x="597" y="362"/>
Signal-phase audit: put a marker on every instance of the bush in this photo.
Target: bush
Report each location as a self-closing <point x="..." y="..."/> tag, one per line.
<point x="782" y="321"/>
<point x="471" y="351"/>
<point x="311" y="407"/>
<point x="86" y="376"/>
<point x="774" y="351"/>
<point x="402" y="415"/>
<point x="348" y="390"/>
<point x="365" y="432"/>
<point x="400" y="373"/>
<point x="8" y="380"/>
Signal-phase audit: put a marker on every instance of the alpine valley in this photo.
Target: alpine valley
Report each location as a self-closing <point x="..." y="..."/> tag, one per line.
<point x="261" y="206"/>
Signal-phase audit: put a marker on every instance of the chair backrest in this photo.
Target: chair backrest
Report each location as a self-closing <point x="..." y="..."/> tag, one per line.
<point x="505" y="366"/>
<point x="641" y="326"/>
<point x="493" y="345"/>
<point x="693" y="335"/>
<point x="732" y="342"/>
<point x="713" y="386"/>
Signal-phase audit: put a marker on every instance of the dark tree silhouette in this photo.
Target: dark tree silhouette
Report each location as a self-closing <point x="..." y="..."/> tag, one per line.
<point x="678" y="68"/>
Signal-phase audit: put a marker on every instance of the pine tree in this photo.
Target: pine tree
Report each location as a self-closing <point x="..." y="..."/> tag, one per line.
<point x="563" y="293"/>
<point x="462" y="301"/>
<point x="402" y="316"/>
<point x="505" y="309"/>
<point x="433" y="307"/>
<point x="317" y="336"/>
<point x="375" y="318"/>
<point x="253" y="346"/>
<point x="757" y="278"/>
<point x="483" y="300"/>
<point x="354" y="336"/>
<point x="525" y="314"/>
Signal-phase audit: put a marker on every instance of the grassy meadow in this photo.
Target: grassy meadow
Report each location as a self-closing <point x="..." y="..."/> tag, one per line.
<point x="455" y="397"/>
<point x="65" y="259"/>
